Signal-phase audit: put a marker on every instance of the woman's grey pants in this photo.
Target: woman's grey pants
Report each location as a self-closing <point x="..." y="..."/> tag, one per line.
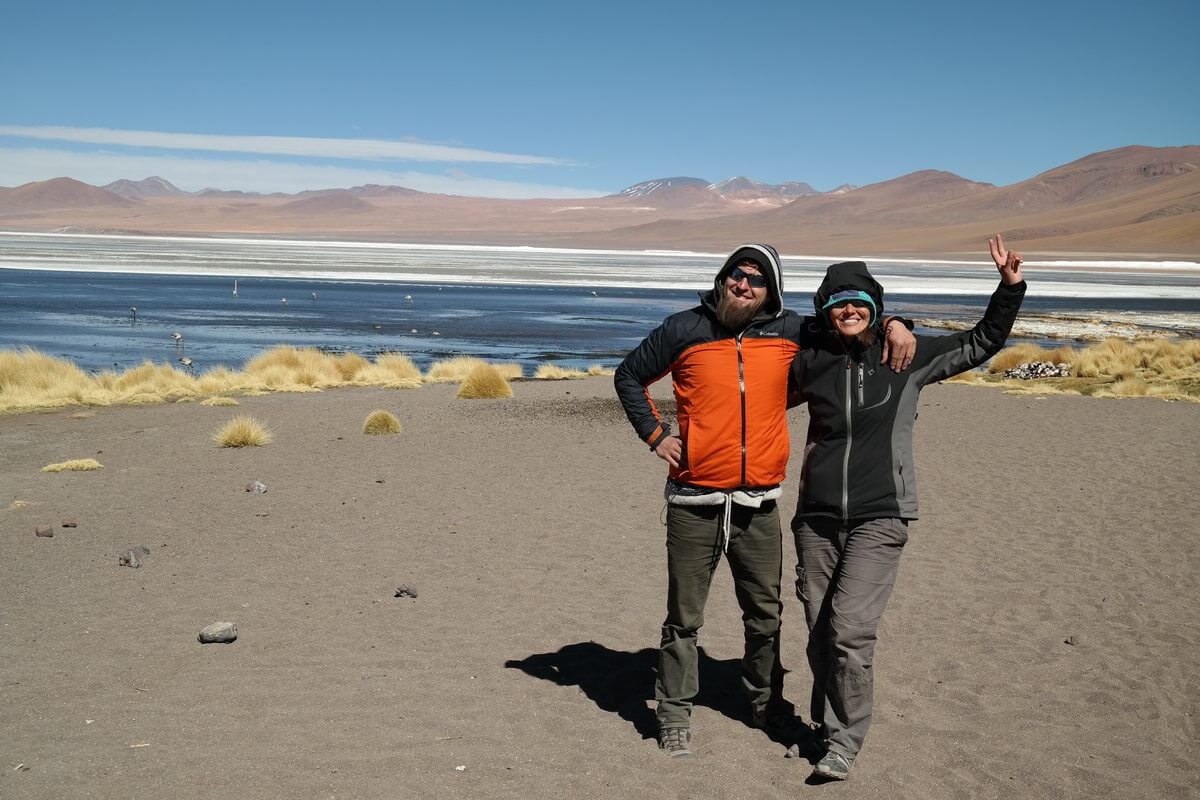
<point x="694" y="546"/>
<point x="844" y="577"/>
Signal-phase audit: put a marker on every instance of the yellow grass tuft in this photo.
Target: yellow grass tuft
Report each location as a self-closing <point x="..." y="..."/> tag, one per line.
<point x="1015" y="356"/>
<point x="597" y="369"/>
<point x="484" y="382"/>
<point x="242" y="431"/>
<point x="457" y="369"/>
<point x="219" y="401"/>
<point x="553" y="372"/>
<point x="77" y="465"/>
<point x="510" y="370"/>
<point x="452" y="370"/>
<point x="390" y="370"/>
<point x="17" y="505"/>
<point x="380" y="422"/>
<point x="1130" y="387"/>
<point x="349" y="364"/>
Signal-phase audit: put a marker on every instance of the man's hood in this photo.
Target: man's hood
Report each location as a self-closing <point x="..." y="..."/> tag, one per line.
<point x="847" y="275"/>
<point x="768" y="264"/>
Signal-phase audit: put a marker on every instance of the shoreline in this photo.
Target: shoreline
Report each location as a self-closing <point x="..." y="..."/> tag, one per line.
<point x="1057" y="260"/>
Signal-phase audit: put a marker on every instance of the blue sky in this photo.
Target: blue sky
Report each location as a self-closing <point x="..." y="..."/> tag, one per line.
<point x="524" y="99"/>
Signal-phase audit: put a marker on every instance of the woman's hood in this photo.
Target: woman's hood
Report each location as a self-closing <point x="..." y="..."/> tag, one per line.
<point x="848" y="276"/>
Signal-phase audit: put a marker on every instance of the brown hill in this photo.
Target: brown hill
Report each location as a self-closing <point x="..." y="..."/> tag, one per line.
<point x="153" y="186"/>
<point x="59" y="193"/>
<point x="327" y="202"/>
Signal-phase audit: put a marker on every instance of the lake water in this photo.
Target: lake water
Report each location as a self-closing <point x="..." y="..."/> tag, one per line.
<point x="70" y="295"/>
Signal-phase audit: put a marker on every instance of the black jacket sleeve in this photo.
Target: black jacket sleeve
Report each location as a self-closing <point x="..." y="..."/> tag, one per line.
<point x="940" y="357"/>
<point x="644" y="365"/>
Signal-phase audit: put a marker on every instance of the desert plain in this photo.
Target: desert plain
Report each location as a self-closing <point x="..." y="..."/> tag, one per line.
<point x="1043" y="639"/>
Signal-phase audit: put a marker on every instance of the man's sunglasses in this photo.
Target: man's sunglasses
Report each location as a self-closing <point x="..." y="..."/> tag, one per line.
<point x="737" y="275"/>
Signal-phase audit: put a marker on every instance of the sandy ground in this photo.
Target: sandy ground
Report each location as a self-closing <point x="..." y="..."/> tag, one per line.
<point x="530" y="530"/>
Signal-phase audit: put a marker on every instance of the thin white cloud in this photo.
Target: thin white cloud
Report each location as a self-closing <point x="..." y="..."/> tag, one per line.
<point x="359" y="149"/>
<point x="23" y="165"/>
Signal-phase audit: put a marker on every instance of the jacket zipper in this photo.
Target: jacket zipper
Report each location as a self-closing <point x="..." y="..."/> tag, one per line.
<point x="860" y="386"/>
<point x="742" y="391"/>
<point x="849" y="440"/>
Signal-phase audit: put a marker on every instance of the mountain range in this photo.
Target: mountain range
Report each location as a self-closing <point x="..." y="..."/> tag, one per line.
<point x="1133" y="200"/>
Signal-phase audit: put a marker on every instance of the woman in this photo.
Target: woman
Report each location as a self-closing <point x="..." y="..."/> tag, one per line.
<point x="857" y="487"/>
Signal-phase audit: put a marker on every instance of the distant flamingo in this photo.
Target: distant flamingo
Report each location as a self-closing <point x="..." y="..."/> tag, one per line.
<point x="187" y="362"/>
<point x="314" y="297"/>
<point x="133" y="312"/>
<point x="178" y="337"/>
<point x="408" y="298"/>
<point x="235" y="294"/>
<point x="283" y="300"/>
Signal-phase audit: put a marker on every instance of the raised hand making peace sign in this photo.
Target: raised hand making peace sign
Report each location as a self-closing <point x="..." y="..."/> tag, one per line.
<point x="1007" y="261"/>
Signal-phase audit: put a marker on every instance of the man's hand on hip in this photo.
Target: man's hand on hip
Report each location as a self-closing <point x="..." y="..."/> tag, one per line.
<point x="670" y="450"/>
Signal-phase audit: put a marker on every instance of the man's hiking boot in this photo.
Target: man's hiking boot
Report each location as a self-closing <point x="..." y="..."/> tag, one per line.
<point x="834" y="767"/>
<point x="675" y="742"/>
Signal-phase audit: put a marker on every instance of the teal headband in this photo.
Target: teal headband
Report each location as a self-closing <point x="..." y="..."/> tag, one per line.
<point x="852" y="294"/>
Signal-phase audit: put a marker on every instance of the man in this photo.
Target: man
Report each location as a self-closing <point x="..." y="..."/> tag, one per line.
<point x="729" y="359"/>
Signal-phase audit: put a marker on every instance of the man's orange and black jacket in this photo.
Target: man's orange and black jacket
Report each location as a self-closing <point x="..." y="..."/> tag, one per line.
<point x="731" y="387"/>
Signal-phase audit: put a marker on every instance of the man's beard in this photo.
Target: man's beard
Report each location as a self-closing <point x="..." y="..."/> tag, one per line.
<point x="733" y="316"/>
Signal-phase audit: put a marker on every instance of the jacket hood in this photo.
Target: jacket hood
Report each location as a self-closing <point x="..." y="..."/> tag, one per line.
<point x="847" y="275"/>
<point x="768" y="264"/>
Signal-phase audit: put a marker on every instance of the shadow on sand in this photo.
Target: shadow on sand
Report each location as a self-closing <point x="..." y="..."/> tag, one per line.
<point x="621" y="682"/>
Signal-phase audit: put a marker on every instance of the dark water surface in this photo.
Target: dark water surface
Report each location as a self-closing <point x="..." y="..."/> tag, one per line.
<point x="85" y="317"/>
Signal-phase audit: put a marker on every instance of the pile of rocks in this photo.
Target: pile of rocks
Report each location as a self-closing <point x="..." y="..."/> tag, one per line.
<point x="1039" y="369"/>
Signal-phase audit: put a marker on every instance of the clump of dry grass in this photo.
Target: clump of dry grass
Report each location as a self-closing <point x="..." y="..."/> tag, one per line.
<point x="17" y="505"/>
<point x="1129" y="387"/>
<point x="457" y="369"/>
<point x="350" y="364"/>
<point x="243" y="431"/>
<point x="390" y="370"/>
<point x="381" y="422"/>
<point x="484" y="382"/>
<point x="553" y="372"/>
<point x="219" y="401"/>
<point x="294" y="369"/>
<point x="31" y="379"/>
<point x="75" y="465"/>
<point x="1163" y="368"/>
<point x="1026" y="353"/>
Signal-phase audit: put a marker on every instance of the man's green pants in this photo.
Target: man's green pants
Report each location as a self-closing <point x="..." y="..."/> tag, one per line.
<point x="695" y="543"/>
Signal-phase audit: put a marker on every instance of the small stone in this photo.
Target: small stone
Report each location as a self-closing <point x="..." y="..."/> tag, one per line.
<point x="1071" y="640"/>
<point x="130" y="559"/>
<point x="219" y="633"/>
<point x="258" y="487"/>
<point x="406" y="591"/>
<point x="45" y="531"/>
<point x="70" y="523"/>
